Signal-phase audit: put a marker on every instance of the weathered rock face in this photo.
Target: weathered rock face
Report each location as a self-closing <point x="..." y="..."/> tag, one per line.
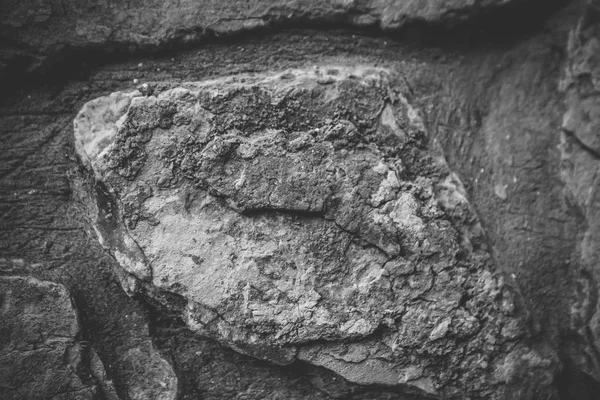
<point x="40" y="354"/>
<point x="34" y="31"/>
<point x="43" y="353"/>
<point x="580" y="168"/>
<point x="308" y="215"/>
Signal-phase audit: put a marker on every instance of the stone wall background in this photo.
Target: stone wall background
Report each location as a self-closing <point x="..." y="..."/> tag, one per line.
<point x="487" y="78"/>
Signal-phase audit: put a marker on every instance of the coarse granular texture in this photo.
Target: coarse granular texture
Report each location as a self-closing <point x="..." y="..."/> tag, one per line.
<point x="506" y="96"/>
<point x="308" y="215"/>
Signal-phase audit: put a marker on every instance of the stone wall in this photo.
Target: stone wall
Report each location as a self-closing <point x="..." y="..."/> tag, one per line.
<point x="348" y="200"/>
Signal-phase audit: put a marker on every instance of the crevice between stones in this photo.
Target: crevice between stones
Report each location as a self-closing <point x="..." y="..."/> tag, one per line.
<point x="487" y="28"/>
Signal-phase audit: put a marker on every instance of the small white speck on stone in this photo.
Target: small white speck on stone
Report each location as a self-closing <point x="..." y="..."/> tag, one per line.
<point x="135" y="81"/>
<point x="440" y="330"/>
<point x="140" y="65"/>
<point x="500" y="191"/>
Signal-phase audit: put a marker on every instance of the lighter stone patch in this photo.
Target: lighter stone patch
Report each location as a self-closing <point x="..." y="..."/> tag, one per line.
<point x="387" y="188"/>
<point x="500" y="191"/>
<point x="405" y="213"/>
<point x="133" y="266"/>
<point x="356" y="353"/>
<point x="451" y="193"/>
<point x="441" y="329"/>
<point x="413" y="114"/>
<point x="283" y="235"/>
<point x="357" y="327"/>
<point x="96" y="124"/>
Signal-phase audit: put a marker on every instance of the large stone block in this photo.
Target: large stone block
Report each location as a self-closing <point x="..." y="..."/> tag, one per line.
<point x="308" y="215"/>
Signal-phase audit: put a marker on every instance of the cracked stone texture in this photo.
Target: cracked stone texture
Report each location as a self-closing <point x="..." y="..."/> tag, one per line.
<point x="41" y="356"/>
<point x="309" y="215"/>
<point x="35" y="31"/>
<point x="580" y="170"/>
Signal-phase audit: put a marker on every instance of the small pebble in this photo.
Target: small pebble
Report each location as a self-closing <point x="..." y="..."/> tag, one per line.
<point x="135" y="81"/>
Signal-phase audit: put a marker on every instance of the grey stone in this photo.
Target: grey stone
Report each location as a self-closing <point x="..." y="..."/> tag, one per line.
<point x="309" y="215"/>
<point x="37" y="31"/>
<point x="40" y="356"/>
<point x="580" y="171"/>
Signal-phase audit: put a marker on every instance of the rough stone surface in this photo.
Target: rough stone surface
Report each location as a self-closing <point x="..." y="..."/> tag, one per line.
<point x="580" y="170"/>
<point x="489" y="96"/>
<point x="34" y="31"/>
<point x="40" y="354"/>
<point x="43" y="354"/>
<point x="309" y="215"/>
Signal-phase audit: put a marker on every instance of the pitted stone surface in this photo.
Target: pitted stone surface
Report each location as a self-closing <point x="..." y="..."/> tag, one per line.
<point x="307" y="215"/>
